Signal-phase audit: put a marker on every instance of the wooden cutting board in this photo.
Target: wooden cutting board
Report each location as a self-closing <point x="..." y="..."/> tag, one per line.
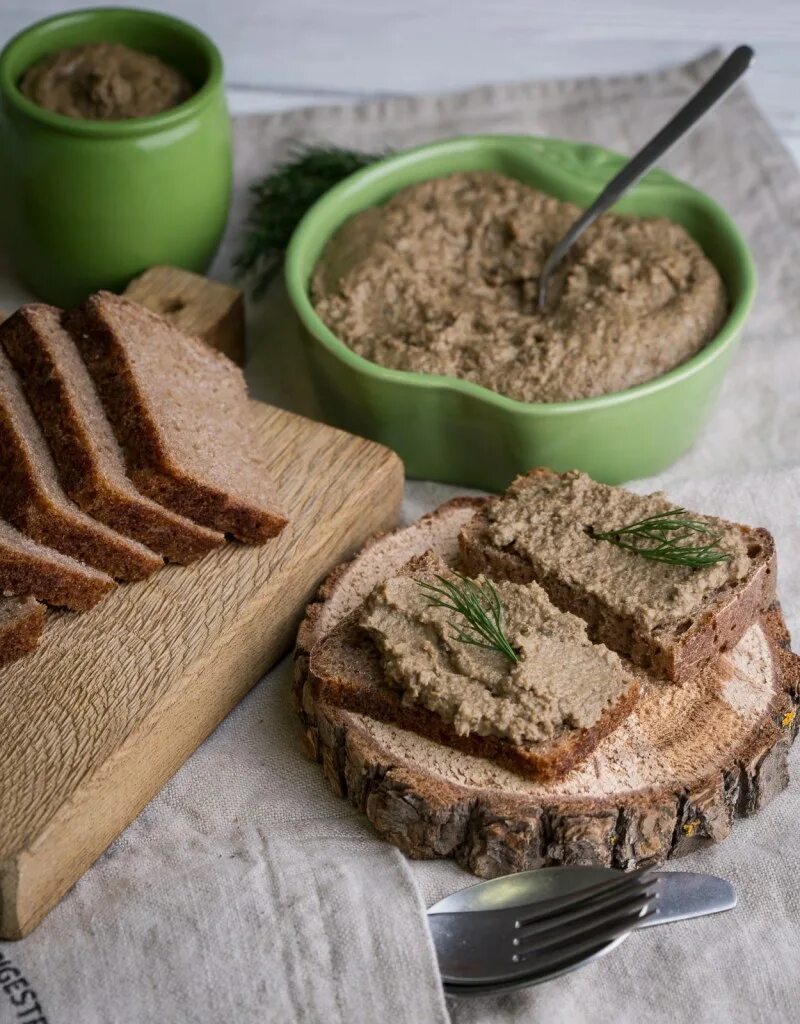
<point x="672" y="777"/>
<point x="114" y="701"/>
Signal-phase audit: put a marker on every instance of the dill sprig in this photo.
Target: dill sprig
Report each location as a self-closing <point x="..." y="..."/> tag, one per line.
<point x="664" y="536"/>
<point x="479" y="604"/>
<point x="280" y="200"/>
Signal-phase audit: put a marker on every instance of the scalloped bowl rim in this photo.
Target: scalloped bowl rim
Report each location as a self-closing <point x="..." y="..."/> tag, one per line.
<point x="298" y="290"/>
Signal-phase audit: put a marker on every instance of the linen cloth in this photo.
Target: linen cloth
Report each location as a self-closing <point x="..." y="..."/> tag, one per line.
<point x="246" y="891"/>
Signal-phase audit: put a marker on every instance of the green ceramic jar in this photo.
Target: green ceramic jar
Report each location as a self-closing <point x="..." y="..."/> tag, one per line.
<point x="458" y="432"/>
<point x="88" y="204"/>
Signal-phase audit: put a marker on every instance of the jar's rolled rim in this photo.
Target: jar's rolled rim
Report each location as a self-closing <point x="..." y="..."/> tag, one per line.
<point x="135" y="126"/>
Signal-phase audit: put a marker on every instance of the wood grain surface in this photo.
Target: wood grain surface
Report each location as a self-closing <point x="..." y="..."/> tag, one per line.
<point x="114" y="701"/>
<point x="673" y="776"/>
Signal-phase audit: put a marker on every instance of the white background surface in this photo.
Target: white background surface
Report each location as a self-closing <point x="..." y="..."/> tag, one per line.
<point x="281" y="53"/>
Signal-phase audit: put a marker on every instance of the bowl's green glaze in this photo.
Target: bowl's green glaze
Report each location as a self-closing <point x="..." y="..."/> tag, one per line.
<point x="458" y="432"/>
<point x="89" y="204"/>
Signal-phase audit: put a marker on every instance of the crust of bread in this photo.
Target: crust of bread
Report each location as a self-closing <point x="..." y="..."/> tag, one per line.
<point x="670" y="653"/>
<point x="28" y="568"/>
<point x="21" y="623"/>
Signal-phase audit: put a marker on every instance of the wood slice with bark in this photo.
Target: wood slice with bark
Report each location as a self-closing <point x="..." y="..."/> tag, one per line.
<point x="672" y="777"/>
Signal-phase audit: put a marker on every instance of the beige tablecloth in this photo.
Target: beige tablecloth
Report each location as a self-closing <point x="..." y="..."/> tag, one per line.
<point x="247" y="892"/>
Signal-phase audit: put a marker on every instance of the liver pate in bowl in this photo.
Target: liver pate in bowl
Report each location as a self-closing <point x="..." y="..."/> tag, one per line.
<point x="415" y="285"/>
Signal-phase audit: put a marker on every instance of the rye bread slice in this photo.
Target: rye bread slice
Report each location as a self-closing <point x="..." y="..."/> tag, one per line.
<point x="673" y="650"/>
<point x="180" y="412"/>
<point x="21" y="624"/>
<point x="346" y="671"/>
<point x="33" y="500"/>
<point x="90" y="463"/>
<point x="28" y="568"/>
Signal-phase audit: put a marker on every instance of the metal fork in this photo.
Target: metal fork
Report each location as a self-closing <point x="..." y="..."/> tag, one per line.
<point x="546" y="939"/>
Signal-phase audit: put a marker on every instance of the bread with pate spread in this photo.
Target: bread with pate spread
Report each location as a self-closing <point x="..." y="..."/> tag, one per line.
<point x="398" y="658"/>
<point x="671" y="619"/>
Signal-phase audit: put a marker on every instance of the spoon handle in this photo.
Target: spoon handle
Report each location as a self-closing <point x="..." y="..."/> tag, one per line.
<point x="689" y="114"/>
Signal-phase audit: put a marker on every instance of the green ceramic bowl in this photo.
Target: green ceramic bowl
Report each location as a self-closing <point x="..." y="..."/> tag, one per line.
<point x="458" y="432"/>
<point x="89" y="204"/>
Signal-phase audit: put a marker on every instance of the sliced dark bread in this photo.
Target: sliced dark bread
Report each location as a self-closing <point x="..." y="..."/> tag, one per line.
<point x="180" y="412"/>
<point x="687" y="616"/>
<point x="33" y="500"/>
<point x="348" y="670"/>
<point x="28" y="568"/>
<point x="21" y="624"/>
<point x="90" y="463"/>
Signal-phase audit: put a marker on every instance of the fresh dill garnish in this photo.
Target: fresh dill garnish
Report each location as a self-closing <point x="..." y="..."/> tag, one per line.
<point x="480" y="606"/>
<point x="664" y="536"/>
<point x="280" y="200"/>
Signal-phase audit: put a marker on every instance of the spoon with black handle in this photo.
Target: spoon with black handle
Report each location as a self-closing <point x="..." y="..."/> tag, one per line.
<point x="706" y="96"/>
